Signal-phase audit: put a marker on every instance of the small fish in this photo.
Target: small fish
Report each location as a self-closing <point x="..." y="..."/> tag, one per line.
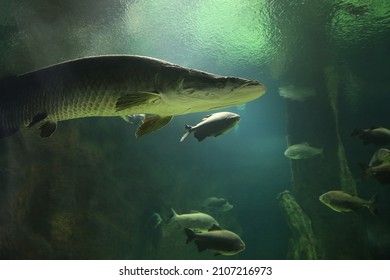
<point x="302" y="151"/>
<point x="343" y="202"/>
<point x="195" y="220"/>
<point x="374" y="135"/>
<point x="155" y="220"/>
<point x="217" y="240"/>
<point x="296" y="93"/>
<point x="212" y="125"/>
<point x="216" y="204"/>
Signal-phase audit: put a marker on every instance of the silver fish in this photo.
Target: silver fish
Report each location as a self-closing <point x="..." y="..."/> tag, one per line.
<point x="116" y="85"/>
<point x="217" y="240"/>
<point x="302" y="151"/>
<point x="195" y="220"/>
<point x="342" y="202"/>
<point x="212" y="125"/>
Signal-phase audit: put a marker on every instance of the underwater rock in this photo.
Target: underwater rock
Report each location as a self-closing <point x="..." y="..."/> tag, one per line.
<point x="302" y="243"/>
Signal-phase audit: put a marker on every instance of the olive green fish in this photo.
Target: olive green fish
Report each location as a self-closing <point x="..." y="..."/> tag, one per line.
<point x="302" y="151"/>
<point x="217" y="240"/>
<point x="115" y="85"/>
<point x="343" y="202"/>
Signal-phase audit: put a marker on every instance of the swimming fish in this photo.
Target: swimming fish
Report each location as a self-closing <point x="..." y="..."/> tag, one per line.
<point x="216" y="204"/>
<point x="296" y="92"/>
<point x="302" y="151"/>
<point x="380" y="172"/>
<point x="342" y="202"/>
<point x="212" y="125"/>
<point x="380" y="156"/>
<point x="115" y="85"/>
<point x="195" y="220"/>
<point x="374" y="135"/>
<point x="217" y="240"/>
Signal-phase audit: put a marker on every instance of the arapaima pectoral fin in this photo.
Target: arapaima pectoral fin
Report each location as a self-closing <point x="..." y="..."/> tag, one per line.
<point x="152" y="123"/>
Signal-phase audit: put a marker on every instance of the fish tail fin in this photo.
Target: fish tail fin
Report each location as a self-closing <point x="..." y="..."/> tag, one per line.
<point x="189" y="130"/>
<point x="371" y="207"/>
<point x="173" y="216"/>
<point x="190" y="235"/>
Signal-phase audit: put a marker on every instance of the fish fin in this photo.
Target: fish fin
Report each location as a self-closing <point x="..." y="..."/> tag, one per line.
<point x="190" y="235"/>
<point x="37" y="118"/>
<point x="126" y="118"/>
<point x="201" y="247"/>
<point x="199" y="136"/>
<point x="334" y="208"/>
<point x="371" y="207"/>
<point x="305" y="143"/>
<point x="173" y="212"/>
<point x="173" y="216"/>
<point x="184" y="137"/>
<point x="188" y="132"/>
<point x="152" y="123"/>
<point x="373" y="210"/>
<point x="206" y="117"/>
<point x="215" y="227"/>
<point x="134" y="99"/>
<point x="47" y="129"/>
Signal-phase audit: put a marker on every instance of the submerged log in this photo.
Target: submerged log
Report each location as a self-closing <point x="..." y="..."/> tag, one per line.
<point x="302" y="242"/>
